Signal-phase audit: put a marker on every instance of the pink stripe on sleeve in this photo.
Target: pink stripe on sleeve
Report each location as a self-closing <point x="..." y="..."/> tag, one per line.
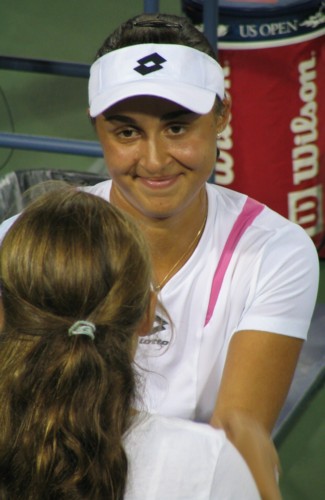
<point x="250" y="211"/>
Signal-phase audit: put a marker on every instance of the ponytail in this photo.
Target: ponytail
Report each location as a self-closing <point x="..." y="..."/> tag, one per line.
<point x="67" y="433"/>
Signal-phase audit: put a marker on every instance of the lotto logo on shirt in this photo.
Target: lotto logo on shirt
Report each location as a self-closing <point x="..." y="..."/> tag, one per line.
<point x="159" y="335"/>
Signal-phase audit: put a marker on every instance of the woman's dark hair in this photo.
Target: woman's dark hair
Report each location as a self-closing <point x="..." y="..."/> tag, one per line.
<point x="156" y="28"/>
<point x="65" y="401"/>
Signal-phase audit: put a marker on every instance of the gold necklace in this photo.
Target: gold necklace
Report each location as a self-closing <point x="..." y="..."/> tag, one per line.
<point x="158" y="287"/>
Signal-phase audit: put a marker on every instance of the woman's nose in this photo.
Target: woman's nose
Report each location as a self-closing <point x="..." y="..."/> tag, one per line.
<point x="154" y="155"/>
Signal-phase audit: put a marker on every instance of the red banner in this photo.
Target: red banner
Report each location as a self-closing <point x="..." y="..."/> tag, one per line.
<point x="274" y="146"/>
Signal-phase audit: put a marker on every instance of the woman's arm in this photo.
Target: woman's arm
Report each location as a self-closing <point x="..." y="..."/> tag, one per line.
<point x="256" y="379"/>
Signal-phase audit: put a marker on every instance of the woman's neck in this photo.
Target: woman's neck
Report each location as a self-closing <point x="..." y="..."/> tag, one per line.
<point x="173" y="239"/>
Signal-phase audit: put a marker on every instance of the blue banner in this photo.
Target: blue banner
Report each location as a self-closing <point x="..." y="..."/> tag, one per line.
<point x="263" y="20"/>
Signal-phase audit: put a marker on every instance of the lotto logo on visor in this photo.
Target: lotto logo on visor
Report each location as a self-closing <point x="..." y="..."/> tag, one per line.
<point x="149" y="64"/>
<point x="189" y="77"/>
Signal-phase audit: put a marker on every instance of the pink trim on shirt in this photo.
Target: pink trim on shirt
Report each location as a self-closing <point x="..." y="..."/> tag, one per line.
<point x="250" y="211"/>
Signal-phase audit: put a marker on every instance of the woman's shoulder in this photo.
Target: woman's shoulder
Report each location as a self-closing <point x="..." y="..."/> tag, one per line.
<point x="229" y="204"/>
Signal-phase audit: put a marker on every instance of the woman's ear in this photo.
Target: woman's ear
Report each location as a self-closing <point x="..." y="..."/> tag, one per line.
<point x="223" y="117"/>
<point x="146" y="324"/>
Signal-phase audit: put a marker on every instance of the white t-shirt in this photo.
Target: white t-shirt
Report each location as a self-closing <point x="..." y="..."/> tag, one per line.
<point x="174" y="459"/>
<point x="267" y="280"/>
<point x="269" y="283"/>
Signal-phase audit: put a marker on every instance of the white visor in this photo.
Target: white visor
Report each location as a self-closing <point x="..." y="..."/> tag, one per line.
<point x="178" y="73"/>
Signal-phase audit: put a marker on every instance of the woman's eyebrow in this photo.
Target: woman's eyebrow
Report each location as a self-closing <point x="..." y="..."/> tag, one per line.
<point x="119" y="118"/>
<point x="165" y="117"/>
<point x="176" y="114"/>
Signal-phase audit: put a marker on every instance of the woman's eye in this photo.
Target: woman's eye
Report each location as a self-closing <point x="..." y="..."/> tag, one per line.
<point x="177" y="129"/>
<point x="128" y="133"/>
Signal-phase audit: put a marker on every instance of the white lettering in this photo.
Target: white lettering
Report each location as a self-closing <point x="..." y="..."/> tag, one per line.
<point x="306" y="209"/>
<point x="305" y="154"/>
<point x="268" y="29"/>
<point x="305" y="162"/>
<point x="281" y="28"/>
<point x="305" y="68"/>
<point x="226" y="73"/>
<point x="308" y="91"/>
<point x="224" y="168"/>
<point x="248" y="30"/>
<point x="306" y="205"/>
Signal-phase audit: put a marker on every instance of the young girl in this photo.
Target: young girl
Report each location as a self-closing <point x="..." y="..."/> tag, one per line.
<point x="76" y="294"/>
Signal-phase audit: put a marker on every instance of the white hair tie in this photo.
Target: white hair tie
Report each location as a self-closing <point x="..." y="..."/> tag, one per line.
<point x="83" y="328"/>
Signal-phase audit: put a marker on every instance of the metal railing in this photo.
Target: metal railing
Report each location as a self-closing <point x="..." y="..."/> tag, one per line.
<point x="50" y="144"/>
<point x="79" y="147"/>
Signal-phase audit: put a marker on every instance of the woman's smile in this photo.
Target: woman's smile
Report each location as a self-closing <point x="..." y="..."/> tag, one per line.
<point x="159" y="183"/>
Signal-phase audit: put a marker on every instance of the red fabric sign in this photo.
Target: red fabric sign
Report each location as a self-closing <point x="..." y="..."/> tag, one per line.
<point x="274" y="146"/>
